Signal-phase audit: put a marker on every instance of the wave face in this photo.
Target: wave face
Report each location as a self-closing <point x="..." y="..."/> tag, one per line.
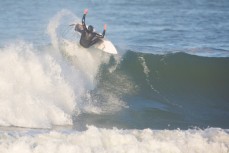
<point x="171" y="90"/>
<point x="179" y="73"/>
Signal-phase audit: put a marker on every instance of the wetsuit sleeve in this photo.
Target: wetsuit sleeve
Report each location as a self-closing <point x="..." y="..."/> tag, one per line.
<point x="101" y="36"/>
<point x="83" y="22"/>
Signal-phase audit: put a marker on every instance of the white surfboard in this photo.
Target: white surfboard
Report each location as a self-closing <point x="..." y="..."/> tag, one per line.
<point x="106" y="46"/>
<point x="103" y="45"/>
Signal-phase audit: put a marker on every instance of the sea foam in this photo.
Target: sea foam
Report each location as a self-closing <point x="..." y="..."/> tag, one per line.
<point x="115" y="140"/>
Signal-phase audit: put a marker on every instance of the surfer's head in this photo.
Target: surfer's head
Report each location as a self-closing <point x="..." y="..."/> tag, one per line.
<point x="90" y="28"/>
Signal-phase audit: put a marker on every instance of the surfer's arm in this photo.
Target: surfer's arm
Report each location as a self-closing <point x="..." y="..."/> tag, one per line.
<point x="104" y="31"/>
<point x="83" y="22"/>
<point x="83" y="19"/>
<point x="101" y="35"/>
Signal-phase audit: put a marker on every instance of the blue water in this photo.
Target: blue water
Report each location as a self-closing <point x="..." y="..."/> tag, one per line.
<point x="169" y="81"/>
<point x="145" y="26"/>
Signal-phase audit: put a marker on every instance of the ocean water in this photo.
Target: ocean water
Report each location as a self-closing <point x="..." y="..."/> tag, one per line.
<point x="167" y="90"/>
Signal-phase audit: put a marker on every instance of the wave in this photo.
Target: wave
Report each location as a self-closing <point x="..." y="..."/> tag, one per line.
<point x="177" y="72"/>
<point x="182" y="89"/>
<point x="169" y="74"/>
<point x="53" y="85"/>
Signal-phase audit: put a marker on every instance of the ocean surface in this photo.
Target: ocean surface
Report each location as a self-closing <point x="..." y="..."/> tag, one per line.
<point x="166" y="91"/>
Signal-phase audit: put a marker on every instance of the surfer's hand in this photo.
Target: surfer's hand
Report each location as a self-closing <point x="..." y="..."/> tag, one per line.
<point x="105" y="27"/>
<point x="85" y="11"/>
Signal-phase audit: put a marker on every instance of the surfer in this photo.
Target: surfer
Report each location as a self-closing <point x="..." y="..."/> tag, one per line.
<point x="88" y="36"/>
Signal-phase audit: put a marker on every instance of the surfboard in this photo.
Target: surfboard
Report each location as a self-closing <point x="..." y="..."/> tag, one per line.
<point x="103" y="45"/>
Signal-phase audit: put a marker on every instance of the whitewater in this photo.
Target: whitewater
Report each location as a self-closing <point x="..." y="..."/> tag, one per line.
<point x="154" y="96"/>
<point x="115" y="140"/>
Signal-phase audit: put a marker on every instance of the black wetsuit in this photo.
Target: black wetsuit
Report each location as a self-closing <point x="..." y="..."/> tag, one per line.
<point x="89" y="38"/>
